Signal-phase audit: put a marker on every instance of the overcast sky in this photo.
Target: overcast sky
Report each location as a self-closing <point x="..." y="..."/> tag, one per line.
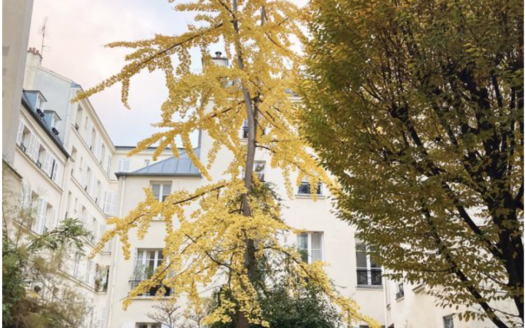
<point x="76" y="33"/>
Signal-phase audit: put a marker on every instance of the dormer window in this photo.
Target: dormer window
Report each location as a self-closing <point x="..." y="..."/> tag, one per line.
<point x="40" y="101"/>
<point x="37" y="101"/>
<point x="51" y="117"/>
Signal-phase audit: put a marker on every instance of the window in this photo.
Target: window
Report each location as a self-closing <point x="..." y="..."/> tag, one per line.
<point x="124" y="165"/>
<point x="41" y="157"/>
<point x="146" y="262"/>
<point x="448" y="321"/>
<point x="400" y="291"/>
<point x="147" y="325"/>
<point x="368" y="272"/>
<point x="86" y="183"/>
<point x="23" y="136"/>
<point x="245" y="129"/>
<point x="78" y="119"/>
<point x="310" y="246"/>
<point x="259" y="168"/>
<point x="76" y="266"/>
<point x="305" y="189"/>
<point x="160" y="191"/>
<point x="93" y="139"/>
<point x="98" y="198"/>
<point x="108" y="167"/>
<point x="102" y="154"/>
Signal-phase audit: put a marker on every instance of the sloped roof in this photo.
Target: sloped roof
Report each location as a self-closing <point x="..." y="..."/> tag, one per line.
<point x="172" y="166"/>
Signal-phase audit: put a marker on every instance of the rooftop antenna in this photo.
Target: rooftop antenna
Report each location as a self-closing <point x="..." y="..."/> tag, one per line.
<point x="43" y="32"/>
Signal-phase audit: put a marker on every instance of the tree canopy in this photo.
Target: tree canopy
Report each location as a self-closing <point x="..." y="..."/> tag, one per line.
<point x="417" y="108"/>
<point x="229" y="231"/>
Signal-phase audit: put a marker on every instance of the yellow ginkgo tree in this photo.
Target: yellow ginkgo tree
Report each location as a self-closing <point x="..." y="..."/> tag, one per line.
<point x="224" y="229"/>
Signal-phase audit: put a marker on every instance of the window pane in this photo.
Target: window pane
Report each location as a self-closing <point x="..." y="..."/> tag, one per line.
<point x="304" y="188"/>
<point x="258" y="168"/>
<point x="362" y="277"/>
<point x="360" y="259"/>
<point x="448" y="322"/>
<point x="166" y="189"/>
<point x="376" y="277"/>
<point x="156" y="190"/>
<point x="316" y="240"/>
<point x="302" y="241"/>
<point x="317" y="255"/>
<point x="302" y="244"/>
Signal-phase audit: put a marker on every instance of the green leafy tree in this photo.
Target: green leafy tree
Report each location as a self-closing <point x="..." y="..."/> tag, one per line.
<point x="31" y="276"/>
<point x="417" y="108"/>
<point x="305" y="308"/>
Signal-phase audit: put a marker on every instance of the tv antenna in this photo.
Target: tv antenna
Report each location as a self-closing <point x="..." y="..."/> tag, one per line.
<point x="43" y="32"/>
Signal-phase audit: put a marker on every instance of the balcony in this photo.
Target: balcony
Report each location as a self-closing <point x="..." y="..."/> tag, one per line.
<point x="152" y="291"/>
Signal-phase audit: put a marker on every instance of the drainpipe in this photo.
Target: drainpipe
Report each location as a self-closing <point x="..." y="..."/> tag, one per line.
<point x="116" y="248"/>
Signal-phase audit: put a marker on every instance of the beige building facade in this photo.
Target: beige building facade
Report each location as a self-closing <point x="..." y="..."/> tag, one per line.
<point x="16" y="21"/>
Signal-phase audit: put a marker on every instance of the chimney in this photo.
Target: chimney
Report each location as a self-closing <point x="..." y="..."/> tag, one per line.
<point x="36" y="53"/>
<point x="219" y="60"/>
<point x="33" y="62"/>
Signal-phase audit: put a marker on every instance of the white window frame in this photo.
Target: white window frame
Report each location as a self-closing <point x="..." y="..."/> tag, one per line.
<point x="261" y="173"/>
<point x="446" y="319"/>
<point x="319" y="191"/>
<point x="309" y="245"/>
<point x="368" y="267"/>
<point x="124" y="165"/>
<point x="162" y="188"/>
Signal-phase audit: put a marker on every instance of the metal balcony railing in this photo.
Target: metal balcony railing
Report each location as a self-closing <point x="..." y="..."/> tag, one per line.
<point x="152" y="291"/>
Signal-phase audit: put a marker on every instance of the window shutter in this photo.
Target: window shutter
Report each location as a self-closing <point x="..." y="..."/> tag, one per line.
<point x="108" y="168"/>
<point x="87" y="222"/>
<point x="48" y="160"/>
<point x="99" y="196"/>
<point x="93" y="274"/>
<point x="96" y="236"/>
<point x="36" y="217"/>
<point x="91" y="190"/>
<point x="87" y="277"/>
<point x="26" y="190"/>
<point x="101" y="230"/>
<point x="36" y="148"/>
<point x="84" y="176"/>
<point x="89" y="133"/>
<point x="124" y="165"/>
<point x="41" y="217"/>
<point x="53" y="219"/>
<point x="54" y="172"/>
<point x="81" y="269"/>
<point x="20" y="133"/>
<point x="32" y="144"/>
<point x="98" y="153"/>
